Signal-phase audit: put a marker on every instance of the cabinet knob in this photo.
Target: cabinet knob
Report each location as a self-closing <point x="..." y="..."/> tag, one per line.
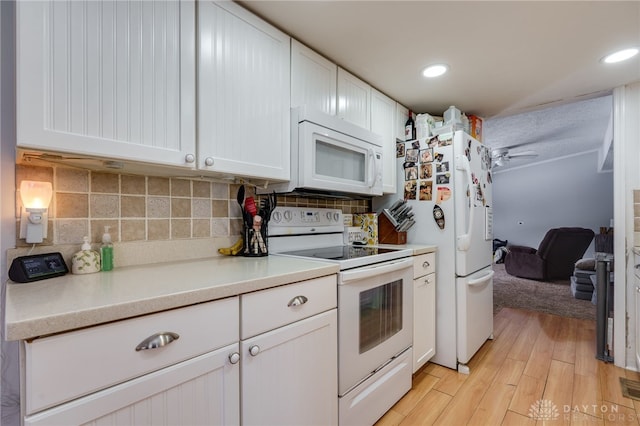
<point x="297" y="301"/>
<point x="189" y="158"/>
<point x="234" y="358"/>
<point x="208" y="161"/>
<point x="426" y="264"/>
<point x="157" y="340"/>
<point x="254" y="350"/>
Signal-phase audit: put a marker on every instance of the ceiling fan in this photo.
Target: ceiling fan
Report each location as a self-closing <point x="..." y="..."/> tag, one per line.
<point x="501" y="156"/>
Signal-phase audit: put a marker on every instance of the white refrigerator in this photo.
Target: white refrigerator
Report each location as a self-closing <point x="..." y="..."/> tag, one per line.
<point x="447" y="182"/>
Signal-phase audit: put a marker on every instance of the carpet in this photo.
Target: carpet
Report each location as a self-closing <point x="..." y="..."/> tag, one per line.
<point x="551" y="297"/>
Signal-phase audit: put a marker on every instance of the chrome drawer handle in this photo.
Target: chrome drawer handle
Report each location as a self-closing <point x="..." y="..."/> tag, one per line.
<point x="297" y="301"/>
<point x="157" y="340"/>
<point x="426" y="264"/>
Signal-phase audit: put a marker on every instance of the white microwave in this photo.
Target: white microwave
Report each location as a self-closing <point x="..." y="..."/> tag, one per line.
<point x="330" y="155"/>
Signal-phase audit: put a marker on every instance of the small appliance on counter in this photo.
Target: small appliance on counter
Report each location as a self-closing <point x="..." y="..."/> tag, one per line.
<point x="394" y="222"/>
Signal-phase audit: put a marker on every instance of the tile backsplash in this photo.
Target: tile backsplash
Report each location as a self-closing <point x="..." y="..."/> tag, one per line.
<point x="144" y="208"/>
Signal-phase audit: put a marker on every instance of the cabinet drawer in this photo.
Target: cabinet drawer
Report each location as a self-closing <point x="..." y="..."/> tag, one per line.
<point x="65" y="366"/>
<point x="424" y="264"/>
<point x="272" y="308"/>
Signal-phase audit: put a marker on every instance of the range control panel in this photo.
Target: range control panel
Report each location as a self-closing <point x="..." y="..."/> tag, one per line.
<point x="303" y="220"/>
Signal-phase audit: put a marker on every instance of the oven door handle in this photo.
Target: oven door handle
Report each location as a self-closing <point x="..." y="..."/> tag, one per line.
<point x="374" y="270"/>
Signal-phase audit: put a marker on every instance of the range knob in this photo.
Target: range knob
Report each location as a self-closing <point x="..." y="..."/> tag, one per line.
<point x="336" y="216"/>
<point x="288" y="215"/>
<point x="277" y="216"/>
<point x="329" y="215"/>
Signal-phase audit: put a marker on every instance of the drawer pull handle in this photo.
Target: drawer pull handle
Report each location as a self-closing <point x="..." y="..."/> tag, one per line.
<point x="157" y="340"/>
<point x="425" y="264"/>
<point x="297" y="301"/>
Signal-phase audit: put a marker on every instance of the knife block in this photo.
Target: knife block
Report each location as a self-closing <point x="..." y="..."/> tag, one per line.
<point x="387" y="233"/>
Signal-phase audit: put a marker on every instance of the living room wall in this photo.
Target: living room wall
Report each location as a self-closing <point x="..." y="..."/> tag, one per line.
<point x="569" y="191"/>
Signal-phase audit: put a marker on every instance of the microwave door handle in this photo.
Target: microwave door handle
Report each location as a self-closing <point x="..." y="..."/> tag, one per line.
<point x="372" y="169"/>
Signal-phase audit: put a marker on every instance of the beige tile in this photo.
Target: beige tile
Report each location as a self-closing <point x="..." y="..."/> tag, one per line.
<point x="97" y="230"/>
<point x="220" y="227"/>
<point x="220" y="191"/>
<point x="158" y="207"/>
<point x="105" y="182"/>
<point x="105" y="206"/>
<point x="132" y="206"/>
<point x="71" y="231"/>
<point x="201" y="208"/>
<point x="201" y="189"/>
<point x="158" y="186"/>
<point x="234" y="209"/>
<point x="158" y="229"/>
<point x="201" y="228"/>
<point x="235" y="227"/>
<point x="636" y="195"/>
<point x="133" y="230"/>
<point x="180" y="228"/>
<point x="39" y="174"/>
<point x="71" y="205"/>
<point x="180" y="207"/>
<point x="133" y="184"/>
<point x="72" y="180"/>
<point x="180" y="188"/>
<point x="636" y="224"/>
<point x="220" y="208"/>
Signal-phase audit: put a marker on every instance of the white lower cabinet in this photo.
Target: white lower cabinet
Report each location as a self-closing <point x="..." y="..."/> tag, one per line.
<point x="289" y="348"/>
<point x="424" y="310"/>
<point x="163" y="368"/>
<point x="289" y="375"/>
<point x="200" y="391"/>
<point x="273" y="362"/>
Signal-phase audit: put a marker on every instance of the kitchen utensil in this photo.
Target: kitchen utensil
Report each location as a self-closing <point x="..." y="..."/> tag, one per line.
<point x="250" y="206"/>
<point x="240" y="198"/>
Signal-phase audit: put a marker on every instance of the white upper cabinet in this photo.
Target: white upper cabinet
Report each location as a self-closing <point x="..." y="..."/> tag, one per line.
<point x="354" y="99"/>
<point x="243" y="93"/>
<point x="383" y="122"/>
<point x="402" y="114"/>
<point x="313" y="79"/>
<point x="112" y="79"/>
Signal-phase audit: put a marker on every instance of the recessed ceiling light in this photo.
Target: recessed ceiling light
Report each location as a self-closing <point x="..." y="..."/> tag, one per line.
<point x="621" y="55"/>
<point x="435" y="70"/>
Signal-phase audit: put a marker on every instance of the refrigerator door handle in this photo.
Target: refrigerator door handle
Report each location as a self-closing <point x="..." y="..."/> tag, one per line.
<point x="464" y="240"/>
<point x="481" y="280"/>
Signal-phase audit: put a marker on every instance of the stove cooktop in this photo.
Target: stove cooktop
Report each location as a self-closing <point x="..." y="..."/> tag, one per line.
<point x="340" y="252"/>
<point x="348" y="256"/>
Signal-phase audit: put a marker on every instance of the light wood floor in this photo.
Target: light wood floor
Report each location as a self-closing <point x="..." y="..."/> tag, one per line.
<point x="535" y="358"/>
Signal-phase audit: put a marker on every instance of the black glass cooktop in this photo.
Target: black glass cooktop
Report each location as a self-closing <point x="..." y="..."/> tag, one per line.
<point x="340" y="252"/>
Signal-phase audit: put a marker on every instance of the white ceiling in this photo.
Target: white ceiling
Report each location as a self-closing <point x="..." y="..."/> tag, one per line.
<point x="506" y="58"/>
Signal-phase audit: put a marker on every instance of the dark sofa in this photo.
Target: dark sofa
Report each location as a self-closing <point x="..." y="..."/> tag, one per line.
<point x="555" y="257"/>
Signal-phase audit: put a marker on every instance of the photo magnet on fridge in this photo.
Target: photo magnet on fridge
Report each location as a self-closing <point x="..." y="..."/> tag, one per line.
<point x="438" y="216"/>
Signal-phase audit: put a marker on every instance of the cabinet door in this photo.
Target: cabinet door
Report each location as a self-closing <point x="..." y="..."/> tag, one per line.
<point x="108" y="79"/>
<point x="424" y="320"/>
<point x="313" y="79"/>
<point x="202" y="390"/>
<point x="292" y="376"/>
<point x="354" y="99"/>
<point x="243" y="93"/>
<point x="383" y="121"/>
<point x="402" y="114"/>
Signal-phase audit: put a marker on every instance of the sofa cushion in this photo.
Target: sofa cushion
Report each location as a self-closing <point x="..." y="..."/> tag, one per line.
<point x="588" y="264"/>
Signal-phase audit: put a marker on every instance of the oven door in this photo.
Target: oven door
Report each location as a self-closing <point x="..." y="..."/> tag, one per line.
<point x="333" y="161"/>
<point x="375" y="312"/>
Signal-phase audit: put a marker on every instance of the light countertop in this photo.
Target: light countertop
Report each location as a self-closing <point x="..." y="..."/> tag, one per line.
<point x="75" y="301"/>
<point x="417" y="248"/>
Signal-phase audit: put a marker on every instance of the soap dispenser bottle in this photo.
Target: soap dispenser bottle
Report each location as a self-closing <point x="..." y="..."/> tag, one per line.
<point x="86" y="261"/>
<point x="106" y="250"/>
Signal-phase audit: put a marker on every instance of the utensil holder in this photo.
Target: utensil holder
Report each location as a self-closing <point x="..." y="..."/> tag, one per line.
<point x="255" y="241"/>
